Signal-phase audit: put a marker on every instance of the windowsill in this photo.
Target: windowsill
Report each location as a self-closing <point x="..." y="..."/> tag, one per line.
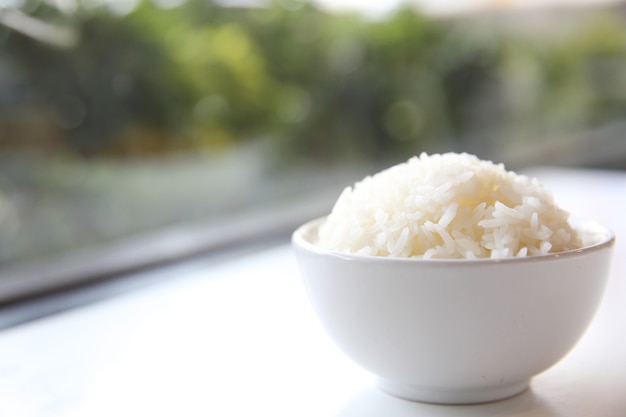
<point x="209" y="332"/>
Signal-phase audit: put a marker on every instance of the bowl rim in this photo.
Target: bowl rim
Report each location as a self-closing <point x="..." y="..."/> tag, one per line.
<point x="300" y="242"/>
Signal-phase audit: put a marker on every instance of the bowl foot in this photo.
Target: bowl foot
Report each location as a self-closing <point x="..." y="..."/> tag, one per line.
<point x="439" y="395"/>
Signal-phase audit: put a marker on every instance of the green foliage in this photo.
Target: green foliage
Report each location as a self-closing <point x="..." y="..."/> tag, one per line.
<point x="199" y="76"/>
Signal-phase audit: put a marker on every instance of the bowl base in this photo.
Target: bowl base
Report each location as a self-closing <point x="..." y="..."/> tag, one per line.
<point x="453" y="395"/>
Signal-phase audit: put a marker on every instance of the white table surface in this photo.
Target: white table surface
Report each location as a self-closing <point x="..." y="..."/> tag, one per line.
<point x="238" y="338"/>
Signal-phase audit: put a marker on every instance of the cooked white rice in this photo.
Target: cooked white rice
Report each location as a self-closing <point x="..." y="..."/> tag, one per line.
<point x="447" y="206"/>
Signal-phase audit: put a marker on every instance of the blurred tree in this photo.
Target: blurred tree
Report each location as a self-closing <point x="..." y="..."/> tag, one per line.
<point x="198" y="76"/>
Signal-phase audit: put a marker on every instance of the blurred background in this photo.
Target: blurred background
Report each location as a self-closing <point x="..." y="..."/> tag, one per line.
<point x="124" y="123"/>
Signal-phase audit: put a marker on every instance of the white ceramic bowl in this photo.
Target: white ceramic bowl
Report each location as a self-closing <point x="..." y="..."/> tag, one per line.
<point x="455" y="331"/>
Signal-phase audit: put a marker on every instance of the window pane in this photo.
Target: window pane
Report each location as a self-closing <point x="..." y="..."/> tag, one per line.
<point x="119" y="118"/>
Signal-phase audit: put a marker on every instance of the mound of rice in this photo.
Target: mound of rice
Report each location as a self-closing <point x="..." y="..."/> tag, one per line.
<point x="447" y="206"/>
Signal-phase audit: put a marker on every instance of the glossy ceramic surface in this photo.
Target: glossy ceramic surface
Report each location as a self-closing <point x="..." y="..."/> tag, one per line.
<point x="455" y="331"/>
